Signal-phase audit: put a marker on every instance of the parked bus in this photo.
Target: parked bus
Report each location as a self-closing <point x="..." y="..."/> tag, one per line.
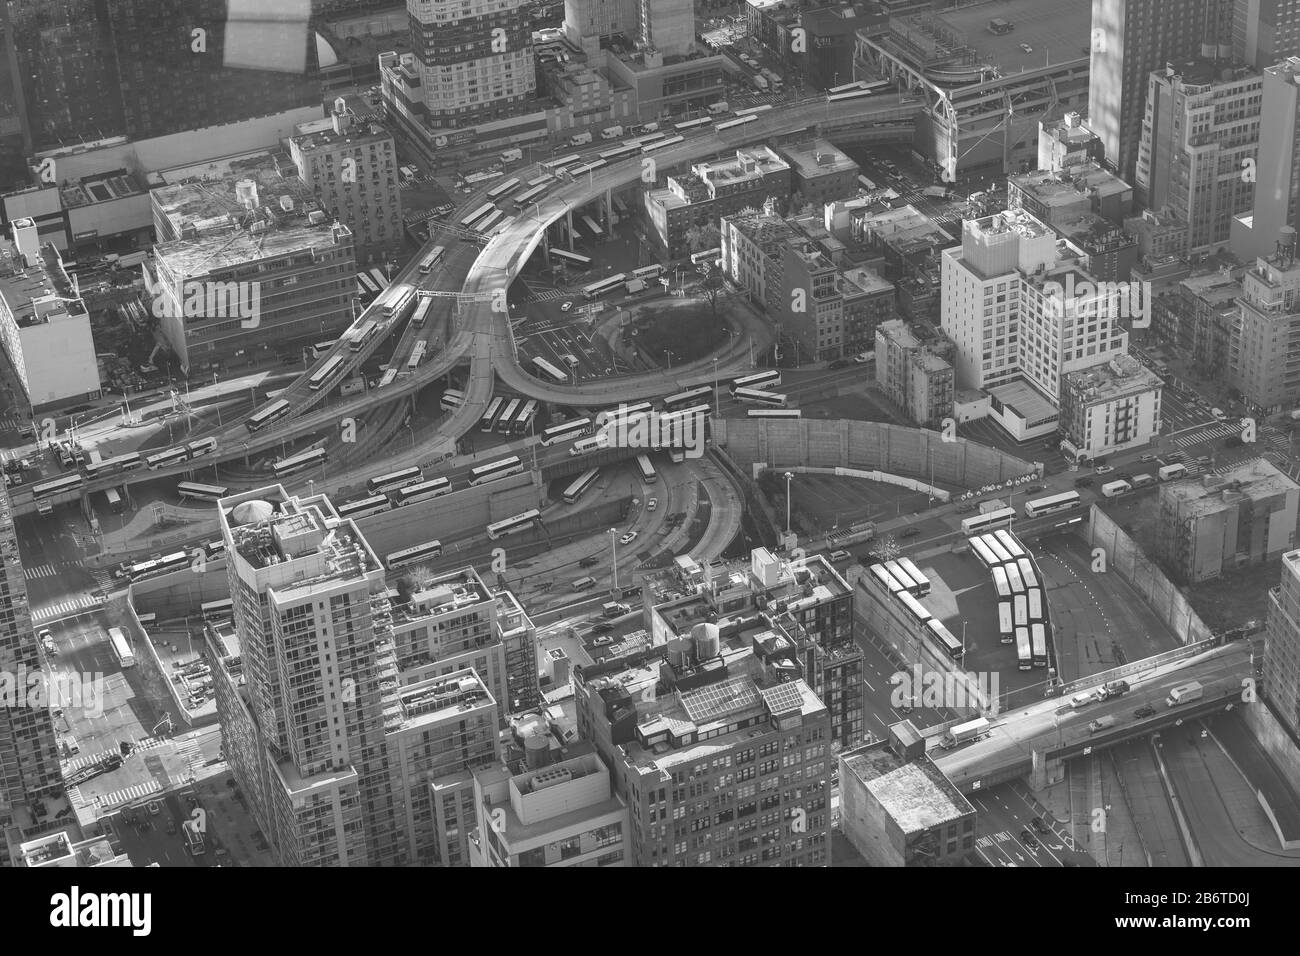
<point x="738" y="121"/>
<point x="914" y="607"/>
<point x="417" y="355"/>
<point x="1014" y="579"/>
<point x="503" y="423"/>
<point x="1027" y="572"/>
<point x="497" y="469"/>
<point x="548" y="370"/>
<point x="847" y="87"/>
<point x="604" y="285"/>
<point x="214" y="547"/>
<point x="618" y="152"/>
<point x="920" y="580"/>
<point x="490" y="220"/>
<point x="850" y="95"/>
<point x="1039" y="633"/>
<point x="524" y="419"/>
<point x="296" y="463"/>
<point x="565" y="430"/>
<point x="394" y="480"/>
<point x="115" y="503"/>
<point x="571" y="258"/>
<point x="364" y="507"/>
<point x="693" y="124"/>
<point x="758" y="396"/>
<point x="530" y="195"/>
<point x="452" y="399"/>
<point x="1008" y="541"/>
<point x="759" y="380"/>
<point x="648" y="272"/>
<point x="520" y="522"/>
<point x="1024" y="649"/>
<point x="885" y="579"/>
<point x="750" y="111"/>
<point x="580" y="485"/>
<point x="363" y="334"/>
<point x="554" y="164"/>
<point x="1036" y="606"/>
<point x="593" y="227"/>
<point x="422" y="311"/>
<point x="946" y="639"/>
<point x="321" y="349"/>
<point x="408" y="556"/>
<point x="421" y="491"/>
<point x="1053" y="504"/>
<point x="978" y="524"/>
<point x="691" y="396"/>
<point x="995" y="546"/>
<point x="476" y="215"/>
<point x="1006" y="623"/>
<point x="190" y="489"/>
<point x="366" y="285"/>
<point x="381" y="280"/>
<point x="502" y="189"/>
<point x="1021" y="605"/>
<point x="985" y="556"/>
<point x="389" y="376"/>
<point x="488" y="421"/>
<point x="215" y="610"/>
<point x="901" y="576"/>
<point x="1000" y="582"/>
<point x="774" y="413"/>
<point x="434" y="256"/>
<point x="121" y="648"/>
<point x="324" y="373"/>
<point x="647" y="470"/>
<point x="663" y="143"/>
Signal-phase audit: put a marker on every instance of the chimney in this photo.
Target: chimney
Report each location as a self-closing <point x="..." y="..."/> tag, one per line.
<point x="27" y="241"/>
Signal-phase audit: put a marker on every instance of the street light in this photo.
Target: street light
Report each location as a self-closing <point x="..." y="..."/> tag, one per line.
<point x="789" y="477"/>
<point x="717" y="407"/>
<point x="613" y="549"/>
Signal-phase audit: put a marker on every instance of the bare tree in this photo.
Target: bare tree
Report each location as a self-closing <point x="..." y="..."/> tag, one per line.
<point x="712" y="289"/>
<point x="887" y="548"/>
<point x="700" y="238"/>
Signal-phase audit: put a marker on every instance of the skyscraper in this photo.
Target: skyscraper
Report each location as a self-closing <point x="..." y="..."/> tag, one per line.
<point x="1276" y="200"/>
<point x="1130" y="38"/>
<point x="30" y="780"/>
<point x="1265" y="31"/>
<point x="1282" y="645"/>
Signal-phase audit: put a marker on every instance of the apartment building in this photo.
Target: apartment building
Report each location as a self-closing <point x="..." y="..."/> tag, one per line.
<point x="1276" y="201"/>
<point x="1109" y="407"/>
<point x="31" y="783"/>
<point x="62" y="851"/>
<point x="555" y="815"/>
<point x="1282" y="645"/>
<point x="1265" y="345"/>
<point x="1059" y="196"/>
<point x="1200" y="315"/>
<point x="812" y="310"/>
<point x="712" y="190"/>
<point x="247" y="258"/>
<point x="1219" y="523"/>
<point x="44" y="326"/>
<point x="1200" y="133"/>
<point x="1265" y="31"/>
<point x="914" y="375"/>
<point x="351" y="167"/>
<point x="518" y="637"/>
<point x="1067" y="141"/>
<point x="820" y="173"/>
<point x="898" y="809"/>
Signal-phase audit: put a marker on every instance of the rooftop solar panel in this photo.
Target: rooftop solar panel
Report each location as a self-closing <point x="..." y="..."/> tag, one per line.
<point x="783" y="698"/>
<point x="725" y="697"/>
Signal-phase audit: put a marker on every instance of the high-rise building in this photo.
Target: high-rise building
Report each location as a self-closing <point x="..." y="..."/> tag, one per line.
<point x="1276" y="171"/>
<point x="1282" y="645"/>
<point x="352" y="168"/>
<point x="1265" y="31"/>
<point x="1130" y="39"/>
<point x="1200" y="134"/>
<point x="1264" y="348"/>
<point x="31" y="784"/>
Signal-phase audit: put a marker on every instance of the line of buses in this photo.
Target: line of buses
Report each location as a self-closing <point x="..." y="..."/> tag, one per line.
<point x="509" y="416"/>
<point x="857" y="90"/>
<point x="1002" y="517"/>
<point x="906" y="583"/>
<point x="1022" y="604"/>
<point x="97" y="467"/>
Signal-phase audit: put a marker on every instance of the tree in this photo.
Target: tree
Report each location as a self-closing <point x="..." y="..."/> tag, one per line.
<point x="712" y="288"/>
<point x="887" y="548"/>
<point x="700" y="238"/>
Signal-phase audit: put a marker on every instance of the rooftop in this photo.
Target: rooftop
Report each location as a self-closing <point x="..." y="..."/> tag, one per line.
<point x="40" y="292"/>
<point x="860" y="280"/>
<point x="1122" y="375"/>
<point x="101" y="187"/>
<point x="437" y="699"/>
<point x="57" y="849"/>
<point x="1023" y="399"/>
<point x="898" y="332"/>
<point x="321" y="134"/>
<point x="817" y="158"/>
<point x="1253" y="480"/>
<point x="437" y="595"/>
<point x="269" y="528"/>
<point x="915" y="793"/>
<point x="751" y="162"/>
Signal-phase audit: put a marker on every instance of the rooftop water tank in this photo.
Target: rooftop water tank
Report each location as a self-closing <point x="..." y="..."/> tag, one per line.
<point x="252" y="511"/>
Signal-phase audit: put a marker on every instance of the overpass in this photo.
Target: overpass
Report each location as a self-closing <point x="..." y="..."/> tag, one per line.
<point x="1035" y="739"/>
<point x="484" y="336"/>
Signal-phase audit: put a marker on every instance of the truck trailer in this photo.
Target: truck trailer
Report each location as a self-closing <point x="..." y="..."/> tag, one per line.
<point x="1184" y="693"/>
<point x="960" y="733"/>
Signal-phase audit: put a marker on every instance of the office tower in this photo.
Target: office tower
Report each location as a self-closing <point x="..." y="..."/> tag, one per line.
<point x="1264" y="344"/>
<point x="31" y="784"/>
<point x="474" y="63"/>
<point x="1282" y="645"/>
<point x="1130" y="38"/>
<point x="1265" y="31"/>
<point x="1276" y="201"/>
<point x="1199" y="138"/>
<point x="352" y="169"/>
<point x="667" y="26"/>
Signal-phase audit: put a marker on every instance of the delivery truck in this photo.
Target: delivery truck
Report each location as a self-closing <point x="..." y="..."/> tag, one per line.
<point x="1172" y="472"/>
<point x="613" y="132"/>
<point x="720" y="107"/>
<point x="1142" y="481"/>
<point x="634" y="286"/>
<point x="512" y="155"/>
<point x="1184" y="693"/>
<point x="960" y="733"/>
<point x="1101" y="723"/>
<point x="1113" y="489"/>
<point x="581" y="139"/>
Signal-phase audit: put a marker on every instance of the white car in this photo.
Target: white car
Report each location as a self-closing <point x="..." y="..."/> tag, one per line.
<point x="1218" y="413"/>
<point x="566" y="307"/>
<point x="1104" y="469"/>
<point x="652" y="504"/>
<point x="861" y="357"/>
<point x="1027" y="48"/>
<point x="627" y="538"/>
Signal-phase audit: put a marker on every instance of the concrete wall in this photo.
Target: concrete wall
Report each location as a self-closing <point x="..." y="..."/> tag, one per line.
<point x="1125" y="558"/>
<point x="1277" y="743"/>
<point x="182" y="592"/>
<point x="872" y="446"/>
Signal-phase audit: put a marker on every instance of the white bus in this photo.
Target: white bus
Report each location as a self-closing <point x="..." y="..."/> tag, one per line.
<point x="1000" y="582"/>
<point x="978" y="524"/>
<point x="901" y="576"/>
<point x="694" y="124"/>
<point x="622" y="412"/>
<point x="1014" y="579"/>
<point x="363" y="334"/>
<point x="1008" y="541"/>
<point x="296" y="463"/>
<point x="497" y="469"/>
<point x="1027" y="572"/>
<point x="422" y="311"/>
<point x="490" y="220"/>
<point x="663" y="143"/>
<point x="618" y="152"/>
<point x="949" y="641"/>
<point x="647" y="469"/>
<point x="571" y="258"/>
<point x="1039" y="633"/>
<point x="215" y="610"/>
<point x="574" y="429"/>
<point x="914" y="607"/>
<point x="758" y="396"/>
<point x="1021" y="604"/>
<point x="172" y="456"/>
<point x="1024" y="650"/>
<point x="604" y="285"/>
<point x="452" y="399"/>
<point x="761" y="380"/>
<point x="524" y="418"/>
<point x="488" y="421"/>
<point x="435" y="255"/>
<point x="846" y="87"/>
<point x="511" y="409"/>
<point x="580" y="485"/>
<point x="750" y="111"/>
<point x="850" y="95"/>
<point x="190" y="489"/>
<point x="531" y="194"/>
<point x="408" y="556"/>
<point x="585" y="446"/>
<point x="267" y="414"/>
<point x="476" y="215"/>
<point x="593" y="227"/>
<point x="1006" y="623"/>
<point x="692" y="396"/>
<point x="549" y="370"/>
<point x="115" y="503"/>
<point x="995" y="546"/>
<point x="421" y="491"/>
<point x="1036" y="606"/>
<point x="985" y="556"/>
<point x="380" y="280"/>
<point x="913" y="572"/>
<point x="381" y="484"/>
<point x="367" y="284"/>
<point x="324" y="373"/>
<point x="554" y="164"/>
<point x="197" y="449"/>
<point x="121" y="647"/>
<point x="364" y="507"/>
<point x="774" y="413"/>
<point x="738" y="121"/>
<point x="710" y="255"/>
<point x="502" y="189"/>
<point x="417" y="355"/>
<point x="389" y="376"/>
<point x="520" y="522"/>
<point x="885" y="579"/>
<point x="648" y="272"/>
<point x="1053" y="504"/>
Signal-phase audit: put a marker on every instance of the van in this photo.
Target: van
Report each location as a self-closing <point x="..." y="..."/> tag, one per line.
<point x="584" y="584"/>
<point x="1082" y="700"/>
<point x="840" y="555"/>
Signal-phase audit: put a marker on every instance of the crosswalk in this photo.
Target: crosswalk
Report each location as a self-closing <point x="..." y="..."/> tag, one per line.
<point x="1207" y="435"/>
<point x="548" y="295"/>
<point x="149" y="743"/>
<point x="64" y="608"/>
<point x="129" y="794"/>
<point x="47" y="570"/>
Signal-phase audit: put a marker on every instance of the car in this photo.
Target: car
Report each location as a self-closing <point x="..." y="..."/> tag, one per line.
<point x="1027" y="48"/>
<point x="1029" y="840"/>
<point x="1147" y="458"/>
<point x="1218" y="413"/>
<point x="602" y="627"/>
<point x="45" y="635"/>
<point x="154" y="808"/>
<point x="1084" y="482"/>
<point x="651" y="504"/>
<point x="589" y="562"/>
<point x="628" y="538"/>
<point x="171" y="827"/>
<point x="1103" y="469"/>
<point x="910" y="533"/>
<point x="1145" y="711"/>
<point x="1039" y="826"/>
<point x="861" y="357"/>
<point x="565" y="307"/>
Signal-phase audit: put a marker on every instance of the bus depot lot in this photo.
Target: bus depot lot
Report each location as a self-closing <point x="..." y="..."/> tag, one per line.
<point x="828" y="500"/>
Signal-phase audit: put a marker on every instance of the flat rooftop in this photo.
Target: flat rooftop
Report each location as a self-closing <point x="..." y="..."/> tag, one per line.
<point x="915" y="793"/>
<point x="748" y="163"/>
<point x="436" y="595"/>
<point x="860" y="280"/>
<point x="1058" y="31"/>
<point x="40" y="292"/>
<point x="1022" y="398"/>
<point x="436" y="700"/>
<point x="320" y="134"/>
<point x="1255" y="479"/>
<point x="102" y="187"/>
<point x="817" y="158"/>
<point x="268" y="527"/>
<point x="1122" y="375"/>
